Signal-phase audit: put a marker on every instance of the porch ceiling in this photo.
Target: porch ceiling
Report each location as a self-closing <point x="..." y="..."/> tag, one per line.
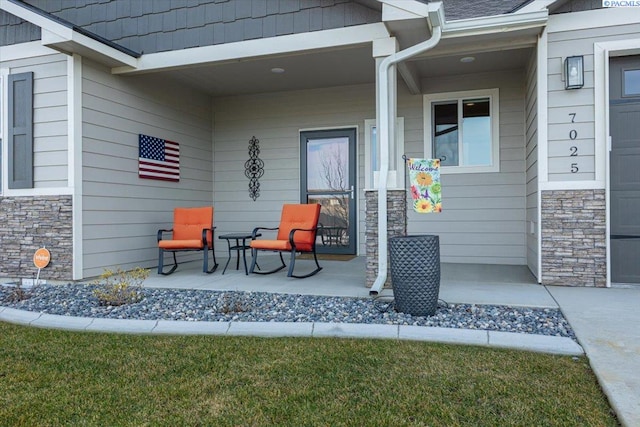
<point x="351" y="66"/>
<point x="317" y="69"/>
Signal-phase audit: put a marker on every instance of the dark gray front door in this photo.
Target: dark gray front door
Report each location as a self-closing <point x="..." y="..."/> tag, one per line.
<point x="328" y="165"/>
<point x="624" y="98"/>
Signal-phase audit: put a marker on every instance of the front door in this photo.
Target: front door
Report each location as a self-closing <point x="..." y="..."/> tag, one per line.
<point x="328" y="176"/>
<point x="624" y="108"/>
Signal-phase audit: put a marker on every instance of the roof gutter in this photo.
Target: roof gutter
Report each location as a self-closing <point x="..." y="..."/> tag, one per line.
<point x="436" y="19"/>
<point x="496" y="24"/>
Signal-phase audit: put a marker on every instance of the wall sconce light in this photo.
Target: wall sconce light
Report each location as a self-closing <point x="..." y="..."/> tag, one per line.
<point x="574" y="72"/>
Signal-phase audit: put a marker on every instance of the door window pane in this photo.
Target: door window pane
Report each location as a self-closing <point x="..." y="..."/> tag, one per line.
<point x="334" y="219"/>
<point x="328" y="164"/>
<point x="445" y="138"/>
<point x="632" y="82"/>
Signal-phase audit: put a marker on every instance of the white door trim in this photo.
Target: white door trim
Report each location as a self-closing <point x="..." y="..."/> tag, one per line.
<point x="602" y="51"/>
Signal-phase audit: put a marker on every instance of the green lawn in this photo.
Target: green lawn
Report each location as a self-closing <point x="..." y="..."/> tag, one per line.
<point x="58" y="378"/>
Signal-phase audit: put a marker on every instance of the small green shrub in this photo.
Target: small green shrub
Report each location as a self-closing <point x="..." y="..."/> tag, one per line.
<point x="16" y="292"/>
<point x="233" y="304"/>
<point x="120" y="287"/>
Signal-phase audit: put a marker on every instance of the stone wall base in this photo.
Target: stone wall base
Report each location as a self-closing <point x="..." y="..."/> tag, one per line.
<point x="29" y="223"/>
<point x="574" y="238"/>
<point x="396" y="226"/>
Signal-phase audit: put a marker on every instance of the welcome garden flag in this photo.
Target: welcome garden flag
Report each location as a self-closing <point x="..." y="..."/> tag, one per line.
<point x="426" y="191"/>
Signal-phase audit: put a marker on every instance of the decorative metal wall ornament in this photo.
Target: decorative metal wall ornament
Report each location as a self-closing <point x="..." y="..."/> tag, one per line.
<point x="254" y="168"/>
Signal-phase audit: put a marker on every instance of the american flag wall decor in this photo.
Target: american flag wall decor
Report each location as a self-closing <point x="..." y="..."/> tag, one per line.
<point x="158" y="159"/>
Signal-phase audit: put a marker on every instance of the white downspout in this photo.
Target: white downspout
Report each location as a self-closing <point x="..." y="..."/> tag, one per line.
<point x="383" y="126"/>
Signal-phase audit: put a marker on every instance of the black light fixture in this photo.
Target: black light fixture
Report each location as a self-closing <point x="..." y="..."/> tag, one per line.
<point x="574" y="72"/>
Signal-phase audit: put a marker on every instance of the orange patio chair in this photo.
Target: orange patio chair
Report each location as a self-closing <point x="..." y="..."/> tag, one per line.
<point x="296" y="234"/>
<point x="192" y="231"/>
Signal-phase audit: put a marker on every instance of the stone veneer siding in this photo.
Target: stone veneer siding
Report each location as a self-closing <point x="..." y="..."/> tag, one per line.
<point x="396" y="226"/>
<point x="29" y="223"/>
<point x="574" y="238"/>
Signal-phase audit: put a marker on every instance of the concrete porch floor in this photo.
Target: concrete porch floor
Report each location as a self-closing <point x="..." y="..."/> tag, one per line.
<point x="459" y="283"/>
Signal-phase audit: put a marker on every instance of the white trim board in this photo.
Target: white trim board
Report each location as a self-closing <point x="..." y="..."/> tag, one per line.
<point x="543" y="123"/>
<point x="281" y="45"/>
<point x="590" y="19"/>
<point x="25" y="50"/>
<point x="74" y="168"/>
<point x="602" y="51"/>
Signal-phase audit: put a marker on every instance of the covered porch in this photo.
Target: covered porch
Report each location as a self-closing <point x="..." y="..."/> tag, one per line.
<point x="261" y="112"/>
<point x="460" y="283"/>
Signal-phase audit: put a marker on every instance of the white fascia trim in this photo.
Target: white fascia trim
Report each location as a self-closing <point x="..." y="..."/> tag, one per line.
<point x="251" y="49"/>
<point x="50" y="38"/>
<point x="54" y="33"/>
<point x="589" y="19"/>
<point x="25" y="50"/>
<point x="494" y="24"/>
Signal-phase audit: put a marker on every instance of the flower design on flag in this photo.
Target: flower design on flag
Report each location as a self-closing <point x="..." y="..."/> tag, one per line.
<point x="423" y="206"/>
<point x="424" y="179"/>
<point x="415" y="193"/>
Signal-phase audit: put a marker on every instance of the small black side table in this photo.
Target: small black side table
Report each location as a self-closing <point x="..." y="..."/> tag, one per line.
<point x="238" y="247"/>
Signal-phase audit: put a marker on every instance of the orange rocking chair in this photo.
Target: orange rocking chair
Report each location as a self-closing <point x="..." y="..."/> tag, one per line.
<point x="296" y="234"/>
<point x="192" y="231"/>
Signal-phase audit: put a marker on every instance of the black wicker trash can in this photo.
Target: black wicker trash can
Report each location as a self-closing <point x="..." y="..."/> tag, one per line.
<point x="415" y="273"/>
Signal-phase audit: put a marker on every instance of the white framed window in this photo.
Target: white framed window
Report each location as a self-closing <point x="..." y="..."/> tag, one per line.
<point x="462" y="130"/>
<point x="395" y="178"/>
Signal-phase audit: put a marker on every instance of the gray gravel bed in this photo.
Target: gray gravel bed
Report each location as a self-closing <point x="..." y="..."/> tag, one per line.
<point x="224" y="306"/>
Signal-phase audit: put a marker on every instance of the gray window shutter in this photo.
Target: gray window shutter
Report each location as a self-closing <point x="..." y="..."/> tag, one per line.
<point x="20" y="130"/>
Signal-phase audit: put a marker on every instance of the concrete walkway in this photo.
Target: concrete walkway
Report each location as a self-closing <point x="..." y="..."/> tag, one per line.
<point x="607" y="324"/>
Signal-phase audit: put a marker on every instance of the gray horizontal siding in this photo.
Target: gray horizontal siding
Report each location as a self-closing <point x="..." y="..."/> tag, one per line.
<point x="484" y="218"/>
<point x="484" y="215"/>
<point x="561" y="102"/>
<point x="161" y="25"/>
<point x="121" y="212"/>
<point x="276" y="119"/>
<point x="50" y="126"/>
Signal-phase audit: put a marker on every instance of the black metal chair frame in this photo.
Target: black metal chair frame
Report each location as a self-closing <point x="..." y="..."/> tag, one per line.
<point x="293" y="251"/>
<point x="205" y="249"/>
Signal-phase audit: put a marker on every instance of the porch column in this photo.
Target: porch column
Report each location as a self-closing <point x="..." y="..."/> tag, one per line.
<point x="396" y="226"/>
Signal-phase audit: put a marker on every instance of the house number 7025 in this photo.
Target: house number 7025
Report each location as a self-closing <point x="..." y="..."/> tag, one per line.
<point x="573" y="150"/>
